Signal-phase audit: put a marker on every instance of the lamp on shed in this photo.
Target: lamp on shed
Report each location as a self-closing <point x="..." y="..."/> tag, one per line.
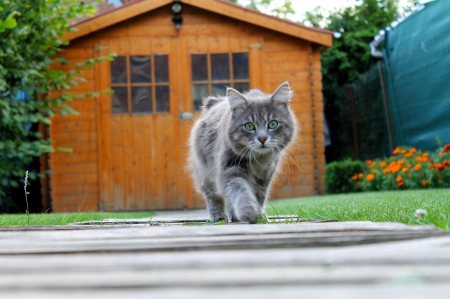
<point x="177" y="19"/>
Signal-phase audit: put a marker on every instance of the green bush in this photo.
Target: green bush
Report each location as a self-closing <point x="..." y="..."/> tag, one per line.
<point x="31" y="34"/>
<point x="338" y="174"/>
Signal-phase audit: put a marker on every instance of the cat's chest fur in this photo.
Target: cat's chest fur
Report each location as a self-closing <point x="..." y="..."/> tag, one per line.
<point x="258" y="168"/>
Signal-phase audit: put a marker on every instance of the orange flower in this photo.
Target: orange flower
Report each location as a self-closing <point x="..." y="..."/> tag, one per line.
<point x="405" y="170"/>
<point x="424" y="183"/>
<point x="400" y="162"/>
<point x="375" y="170"/>
<point x="408" y="155"/>
<point x="409" y="165"/>
<point x="439" y="166"/>
<point x="425" y="154"/>
<point x="401" y="184"/>
<point x="402" y="151"/>
<point x="383" y="164"/>
<point x="355" y="177"/>
<point x="418" y="167"/>
<point x="360" y="175"/>
<point x="396" y="168"/>
<point x="431" y="166"/>
<point x="399" y="179"/>
<point x="386" y="170"/>
<point x="396" y="151"/>
<point x="392" y="164"/>
<point x="447" y="148"/>
<point x="446" y="163"/>
<point x="369" y="161"/>
<point x="413" y="150"/>
<point x="370" y="177"/>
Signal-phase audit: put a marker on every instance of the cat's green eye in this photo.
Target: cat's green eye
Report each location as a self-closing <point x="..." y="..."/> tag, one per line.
<point x="249" y="126"/>
<point x="273" y="124"/>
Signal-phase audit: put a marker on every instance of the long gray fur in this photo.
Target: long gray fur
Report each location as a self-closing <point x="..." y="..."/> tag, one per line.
<point x="231" y="166"/>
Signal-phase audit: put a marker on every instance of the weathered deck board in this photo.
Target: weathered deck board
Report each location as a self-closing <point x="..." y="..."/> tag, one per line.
<point x="137" y="262"/>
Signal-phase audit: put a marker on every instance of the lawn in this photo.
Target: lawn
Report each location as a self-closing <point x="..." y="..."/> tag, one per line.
<point x="392" y="206"/>
<point x="66" y="218"/>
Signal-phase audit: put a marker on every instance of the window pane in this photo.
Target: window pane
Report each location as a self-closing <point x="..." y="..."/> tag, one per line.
<point x="119" y="70"/>
<point x="161" y="68"/>
<point x="119" y="100"/>
<point x="141" y="99"/>
<point x="199" y="66"/>
<point x="241" y="87"/>
<point x="220" y="67"/>
<point x="162" y="99"/>
<point x="140" y="69"/>
<point x="219" y="89"/>
<point x="240" y="66"/>
<point x="198" y="93"/>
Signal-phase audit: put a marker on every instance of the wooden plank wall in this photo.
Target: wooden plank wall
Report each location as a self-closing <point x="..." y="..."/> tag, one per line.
<point x="75" y="184"/>
<point x="282" y="58"/>
<point x="298" y="62"/>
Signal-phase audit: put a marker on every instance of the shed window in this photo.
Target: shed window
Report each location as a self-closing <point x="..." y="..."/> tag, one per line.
<point x="140" y="84"/>
<point x="213" y="73"/>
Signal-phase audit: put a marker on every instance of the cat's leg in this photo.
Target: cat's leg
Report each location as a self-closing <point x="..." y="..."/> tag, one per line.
<point x="215" y="203"/>
<point x="261" y="196"/>
<point x="242" y="203"/>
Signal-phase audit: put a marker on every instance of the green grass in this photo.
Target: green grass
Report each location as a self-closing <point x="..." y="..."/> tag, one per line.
<point x="65" y="218"/>
<point x="393" y="206"/>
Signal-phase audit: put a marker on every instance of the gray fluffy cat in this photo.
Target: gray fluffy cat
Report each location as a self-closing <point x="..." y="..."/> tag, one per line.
<point x="236" y="147"/>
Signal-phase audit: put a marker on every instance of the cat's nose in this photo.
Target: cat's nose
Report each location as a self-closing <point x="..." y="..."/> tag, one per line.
<point x="262" y="139"/>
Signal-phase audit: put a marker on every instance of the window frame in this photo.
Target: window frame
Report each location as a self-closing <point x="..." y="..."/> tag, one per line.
<point x="152" y="84"/>
<point x="210" y="82"/>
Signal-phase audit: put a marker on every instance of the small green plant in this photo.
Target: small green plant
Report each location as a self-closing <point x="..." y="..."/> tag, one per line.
<point x="338" y="173"/>
<point x="26" y="195"/>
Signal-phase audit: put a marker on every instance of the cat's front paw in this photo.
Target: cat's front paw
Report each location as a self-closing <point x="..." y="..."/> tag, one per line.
<point x="260" y="219"/>
<point x="220" y="217"/>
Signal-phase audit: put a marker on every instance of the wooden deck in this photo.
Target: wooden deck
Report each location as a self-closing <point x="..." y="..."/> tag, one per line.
<point x="311" y="260"/>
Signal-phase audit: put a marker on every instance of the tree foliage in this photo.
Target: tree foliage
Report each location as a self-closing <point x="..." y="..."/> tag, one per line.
<point x="31" y="34"/>
<point x="349" y="57"/>
<point x="284" y="10"/>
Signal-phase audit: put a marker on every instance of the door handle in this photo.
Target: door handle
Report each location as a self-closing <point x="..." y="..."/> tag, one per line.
<point x="186" y="115"/>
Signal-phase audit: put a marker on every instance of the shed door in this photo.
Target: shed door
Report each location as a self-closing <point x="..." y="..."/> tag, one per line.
<point x="139" y="126"/>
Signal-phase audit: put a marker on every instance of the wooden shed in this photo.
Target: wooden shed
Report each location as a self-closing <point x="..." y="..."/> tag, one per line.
<point x="129" y="148"/>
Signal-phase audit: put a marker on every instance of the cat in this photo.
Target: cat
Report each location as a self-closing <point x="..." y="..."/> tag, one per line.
<point x="236" y="148"/>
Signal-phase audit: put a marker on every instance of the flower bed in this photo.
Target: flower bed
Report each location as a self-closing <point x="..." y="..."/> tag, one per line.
<point x="407" y="168"/>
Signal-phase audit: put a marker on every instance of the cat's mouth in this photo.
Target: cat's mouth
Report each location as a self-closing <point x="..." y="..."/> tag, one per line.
<point x="263" y="149"/>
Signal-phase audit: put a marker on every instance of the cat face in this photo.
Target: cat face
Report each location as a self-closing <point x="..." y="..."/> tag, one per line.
<point x="262" y="123"/>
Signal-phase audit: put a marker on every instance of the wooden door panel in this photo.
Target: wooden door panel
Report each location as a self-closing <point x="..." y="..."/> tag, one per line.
<point x="140" y="170"/>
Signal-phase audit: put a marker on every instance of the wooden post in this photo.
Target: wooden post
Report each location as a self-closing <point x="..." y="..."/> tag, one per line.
<point x="355" y="132"/>
<point x="314" y="125"/>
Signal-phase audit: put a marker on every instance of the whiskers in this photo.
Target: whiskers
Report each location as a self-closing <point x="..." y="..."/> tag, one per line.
<point x="290" y="156"/>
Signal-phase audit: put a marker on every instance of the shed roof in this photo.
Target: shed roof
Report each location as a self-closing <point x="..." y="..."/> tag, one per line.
<point x="223" y="7"/>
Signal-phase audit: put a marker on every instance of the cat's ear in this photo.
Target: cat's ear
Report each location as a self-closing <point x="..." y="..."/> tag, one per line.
<point x="282" y="95"/>
<point x="236" y="100"/>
